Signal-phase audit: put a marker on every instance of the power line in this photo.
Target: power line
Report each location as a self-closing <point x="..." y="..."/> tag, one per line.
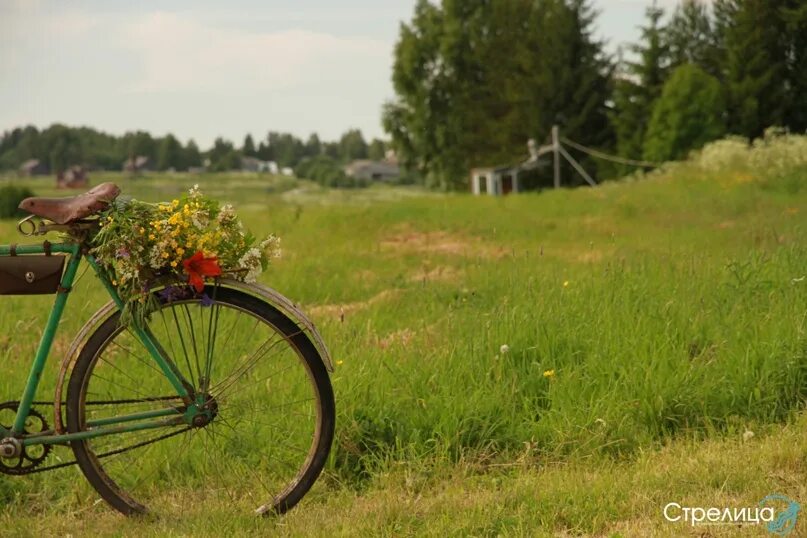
<point x="607" y="157"/>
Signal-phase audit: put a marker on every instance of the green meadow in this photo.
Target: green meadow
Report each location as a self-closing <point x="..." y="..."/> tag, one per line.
<point x="558" y="363"/>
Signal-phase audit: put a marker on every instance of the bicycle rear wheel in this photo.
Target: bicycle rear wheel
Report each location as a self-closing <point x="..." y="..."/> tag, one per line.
<point x="271" y="409"/>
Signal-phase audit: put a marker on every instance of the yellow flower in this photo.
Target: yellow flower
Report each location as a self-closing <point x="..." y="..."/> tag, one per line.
<point x="165" y="254"/>
<point x="114" y="282"/>
<point x="340" y="363"/>
<point x="142" y="230"/>
<point x="174" y="264"/>
<point x="109" y="219"/>
<point x="175" y="202"/>
<point x="549" y="374"/>
<point x="180" y="251"/>
<point x="566" y="284"/>
<point x="152" y="237"/>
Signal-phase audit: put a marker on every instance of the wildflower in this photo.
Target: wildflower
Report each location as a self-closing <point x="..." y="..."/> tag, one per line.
<point x="173" y="264"/>
<point x="505" y="349"/>
<point x="180" y="251"/>
<point x="340" y="363"/>
<point x="152" y="237"/>
<point x="565" y="283"/>
<point x="164" y="254"/>
<point x="142" y="230"/>
<point x="198" y="267"/>
<point x="549" y="374"/>
<point x="748" y="435"/>
<point x="206" y="301"/>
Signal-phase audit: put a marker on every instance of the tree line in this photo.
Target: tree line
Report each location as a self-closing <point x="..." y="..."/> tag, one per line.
<point x="60" y="146"/>
<point x="476" y="79"/>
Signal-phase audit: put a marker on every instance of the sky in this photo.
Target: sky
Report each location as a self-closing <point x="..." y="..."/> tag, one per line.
<point x="201" y="69"/>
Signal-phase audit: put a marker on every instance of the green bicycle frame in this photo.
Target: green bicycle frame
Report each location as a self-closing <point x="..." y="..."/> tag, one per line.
<point x="107" y="426"/>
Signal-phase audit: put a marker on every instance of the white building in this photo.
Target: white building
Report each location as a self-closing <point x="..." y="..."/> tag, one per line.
<point x="494" y="181"/>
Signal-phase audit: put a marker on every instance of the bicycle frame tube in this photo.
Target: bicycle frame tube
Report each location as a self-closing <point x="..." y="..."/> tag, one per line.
<point x="68" y="278"/>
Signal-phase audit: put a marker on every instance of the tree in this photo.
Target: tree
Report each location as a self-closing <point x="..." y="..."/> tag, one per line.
<point x="691" y="38"/>
<point x="140" y="143"/>
<point x="313" y="146"/>
<point x="192" y="155"/>
<point x="757" y="67"/>
<point x="223" y="156"/>
<point x="639" y="84"/>
<point x="352" y="146"/>
<point x="248" y="149"/>
<point x="795" y="17"/>
<point x="284" y="148"/>
<point x="475" y="79"/>
<point x="688" y="114"/>
<point x="63" y="147"/>
<point x="170" y="154"/>
<point x="377" y="150"/>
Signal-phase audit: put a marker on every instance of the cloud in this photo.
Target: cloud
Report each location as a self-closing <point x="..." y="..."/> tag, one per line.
<point x="179" y="54"/>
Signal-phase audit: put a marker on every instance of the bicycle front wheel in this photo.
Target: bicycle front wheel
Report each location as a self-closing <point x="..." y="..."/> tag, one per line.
<point x="270" y="408"/>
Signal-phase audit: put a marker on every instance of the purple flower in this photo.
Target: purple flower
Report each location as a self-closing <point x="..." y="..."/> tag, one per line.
<point x="170" y="294"/>
<point x="206" y="301"/>
<point x="123" y="253"/>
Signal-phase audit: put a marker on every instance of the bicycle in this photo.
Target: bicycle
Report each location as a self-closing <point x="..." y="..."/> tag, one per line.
<point x="223" y="397"/>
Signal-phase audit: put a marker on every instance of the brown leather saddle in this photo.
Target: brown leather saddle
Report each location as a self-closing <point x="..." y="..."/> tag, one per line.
<point x="67" y="210"/>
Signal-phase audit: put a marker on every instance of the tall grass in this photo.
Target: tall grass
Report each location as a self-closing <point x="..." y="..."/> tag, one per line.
<point x="633" y="313"/>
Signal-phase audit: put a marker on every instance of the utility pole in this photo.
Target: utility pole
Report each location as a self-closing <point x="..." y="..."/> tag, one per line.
<point x="556" y="151"/>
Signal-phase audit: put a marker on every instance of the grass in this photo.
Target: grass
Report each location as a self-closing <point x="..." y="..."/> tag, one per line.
<point x="668" y="315"/>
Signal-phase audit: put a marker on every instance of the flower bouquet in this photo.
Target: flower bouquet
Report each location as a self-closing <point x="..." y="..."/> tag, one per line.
<point x="182" y="242"/>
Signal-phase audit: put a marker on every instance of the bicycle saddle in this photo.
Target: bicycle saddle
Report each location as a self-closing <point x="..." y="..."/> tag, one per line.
<point x="67" y="210"/>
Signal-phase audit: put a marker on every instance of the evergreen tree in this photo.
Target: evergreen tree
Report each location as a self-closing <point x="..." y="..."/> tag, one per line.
<point x="688" y="114"/>
<point x="639" y="84"/>
<point x="248" y="149"/>
<point x="757" y="68"/>
<point x="795" y="17"/>
<point x="691" y="38"/>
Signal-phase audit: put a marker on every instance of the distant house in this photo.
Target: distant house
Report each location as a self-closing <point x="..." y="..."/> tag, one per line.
<point x="373" y="170"/>
<point x="74" y="177"/>
<point x="253" y="164"/>
<point x="139" y="163"/>
<point x="33" y="167"/>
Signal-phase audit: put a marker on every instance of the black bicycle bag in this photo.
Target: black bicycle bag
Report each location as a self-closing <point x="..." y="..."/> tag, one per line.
<point x="30" y="275"/>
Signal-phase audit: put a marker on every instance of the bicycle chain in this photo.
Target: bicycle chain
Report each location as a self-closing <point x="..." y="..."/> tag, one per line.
<point x="26" y="463"/>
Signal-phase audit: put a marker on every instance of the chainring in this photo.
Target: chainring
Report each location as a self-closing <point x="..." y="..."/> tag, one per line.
<point x="31" y="457"/>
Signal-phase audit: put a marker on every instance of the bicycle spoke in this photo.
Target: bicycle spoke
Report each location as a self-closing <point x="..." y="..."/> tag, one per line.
<point x="255" y="432"/>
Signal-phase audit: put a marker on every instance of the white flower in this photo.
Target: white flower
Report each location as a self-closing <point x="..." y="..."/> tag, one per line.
<point x="748" y="435"/>
<point x="505" y="349"/>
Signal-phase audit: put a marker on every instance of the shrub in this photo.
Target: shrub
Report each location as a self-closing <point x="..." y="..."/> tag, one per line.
<point x="688" y="114"/>
<point x="10" y="198"/>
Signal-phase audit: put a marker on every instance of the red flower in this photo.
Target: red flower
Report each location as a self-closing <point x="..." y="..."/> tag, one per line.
<point x="198" y="267"/>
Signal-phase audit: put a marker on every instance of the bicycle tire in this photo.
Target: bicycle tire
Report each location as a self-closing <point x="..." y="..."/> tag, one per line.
<point x="94" y="456"/>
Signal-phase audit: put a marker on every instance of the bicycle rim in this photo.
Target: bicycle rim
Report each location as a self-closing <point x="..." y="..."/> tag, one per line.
<point x="267" y="392"/>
